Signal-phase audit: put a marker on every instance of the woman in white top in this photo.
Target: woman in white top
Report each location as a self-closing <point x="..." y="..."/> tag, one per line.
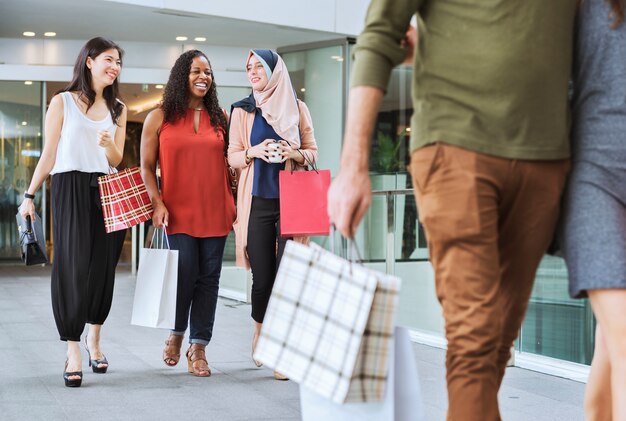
<point x="85" y="131"/>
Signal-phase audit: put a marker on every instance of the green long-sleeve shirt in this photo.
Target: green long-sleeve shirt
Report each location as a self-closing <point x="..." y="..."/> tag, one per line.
<point x="489" y="76"/>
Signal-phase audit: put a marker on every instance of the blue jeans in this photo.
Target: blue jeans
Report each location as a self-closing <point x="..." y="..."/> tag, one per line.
<point x="199" y="268"/>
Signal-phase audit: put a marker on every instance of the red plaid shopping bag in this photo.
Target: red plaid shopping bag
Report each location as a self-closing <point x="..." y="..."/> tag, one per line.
<point x="125" y="200"/>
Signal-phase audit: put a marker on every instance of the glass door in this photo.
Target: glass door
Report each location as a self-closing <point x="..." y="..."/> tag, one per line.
<point x="20" y="147"/>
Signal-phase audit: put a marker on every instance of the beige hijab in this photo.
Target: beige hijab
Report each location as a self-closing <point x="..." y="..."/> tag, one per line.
<point x="278" y="102"/>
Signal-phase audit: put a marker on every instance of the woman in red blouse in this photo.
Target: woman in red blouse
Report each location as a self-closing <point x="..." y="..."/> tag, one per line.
<point x="187" y="135"/>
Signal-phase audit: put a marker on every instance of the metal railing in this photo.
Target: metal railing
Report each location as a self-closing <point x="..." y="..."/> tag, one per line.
<point x="390" y="239"/>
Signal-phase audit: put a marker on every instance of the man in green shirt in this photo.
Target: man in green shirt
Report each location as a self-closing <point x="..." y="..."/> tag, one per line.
<point x="489" y="159"/>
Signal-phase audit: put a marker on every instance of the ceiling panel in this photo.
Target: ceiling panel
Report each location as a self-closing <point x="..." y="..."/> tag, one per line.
<point x="82" y="20"/>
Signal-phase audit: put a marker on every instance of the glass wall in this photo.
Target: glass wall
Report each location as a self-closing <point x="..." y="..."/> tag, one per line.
<point x="318" y="76"/>
<point x="556" y="325"/>
<point x="20" y="147"/>
<point x="389" y="158"/>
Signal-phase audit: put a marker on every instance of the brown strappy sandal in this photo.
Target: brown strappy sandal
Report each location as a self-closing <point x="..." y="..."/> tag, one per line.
<point x="196" y="361"/>
<point x="171" y="352"/>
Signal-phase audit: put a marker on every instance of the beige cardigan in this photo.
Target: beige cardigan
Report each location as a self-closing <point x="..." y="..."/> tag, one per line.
<point x="239" y="140"/>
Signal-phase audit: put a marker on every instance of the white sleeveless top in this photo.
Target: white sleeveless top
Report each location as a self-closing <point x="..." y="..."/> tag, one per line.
<point x="78" y="148"/>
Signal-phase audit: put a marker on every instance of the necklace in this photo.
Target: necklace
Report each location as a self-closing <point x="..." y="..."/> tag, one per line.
<point x="197" y="109"/>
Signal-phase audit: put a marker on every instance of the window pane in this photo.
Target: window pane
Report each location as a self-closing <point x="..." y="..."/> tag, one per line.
<point x="556" y="325"/>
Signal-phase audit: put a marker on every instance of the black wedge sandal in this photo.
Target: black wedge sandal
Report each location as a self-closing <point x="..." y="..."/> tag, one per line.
<point x="72" y="382"/>
<point x="95" y="363"/>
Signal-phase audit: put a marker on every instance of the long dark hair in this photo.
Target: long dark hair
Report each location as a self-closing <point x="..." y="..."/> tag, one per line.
<point x="81" y="81"/>
<point x="176" y="94"/>
<point x="617" y="12"/>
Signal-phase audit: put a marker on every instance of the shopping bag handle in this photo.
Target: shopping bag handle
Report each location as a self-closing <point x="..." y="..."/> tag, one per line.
<point x="164" y="236"/>
<point x="306" y="160"/>
<point x="352" y="245"/>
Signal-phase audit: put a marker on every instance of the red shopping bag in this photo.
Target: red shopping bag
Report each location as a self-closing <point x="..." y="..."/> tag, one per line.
<point x="125" y="200"/>
<point x="303" y="200"/>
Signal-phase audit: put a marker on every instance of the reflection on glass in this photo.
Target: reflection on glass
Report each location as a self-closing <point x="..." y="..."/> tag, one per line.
<point x="389" y="159"/>
<point x="20" y="148"/>
<point x="317" y="77"/>
<point x="391" y="139"/>
<point x="556" y="325"/>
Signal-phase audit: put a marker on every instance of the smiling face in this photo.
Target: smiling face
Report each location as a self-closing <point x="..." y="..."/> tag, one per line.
<point x="256" y="74"/>
<point x="200" y="77"/>
<point x="105" y="68"/>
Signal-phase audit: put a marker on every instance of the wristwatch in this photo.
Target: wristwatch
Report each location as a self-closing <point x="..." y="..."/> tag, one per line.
<point x="28" y="196"/>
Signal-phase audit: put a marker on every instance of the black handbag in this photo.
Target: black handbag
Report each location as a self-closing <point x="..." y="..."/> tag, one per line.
<point x="31" y="240"/>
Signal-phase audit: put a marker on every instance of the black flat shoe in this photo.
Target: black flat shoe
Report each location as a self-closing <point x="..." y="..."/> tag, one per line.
<point x="95" y="363"/>
<point x="72" y="382"/>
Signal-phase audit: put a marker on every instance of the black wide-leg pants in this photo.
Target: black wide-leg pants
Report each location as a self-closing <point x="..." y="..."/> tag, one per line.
<point x="85" y="256"/>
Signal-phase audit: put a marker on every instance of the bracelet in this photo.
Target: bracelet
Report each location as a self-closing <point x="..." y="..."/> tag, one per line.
<point x="28" y="196"/>
<point x="247" y="157"/>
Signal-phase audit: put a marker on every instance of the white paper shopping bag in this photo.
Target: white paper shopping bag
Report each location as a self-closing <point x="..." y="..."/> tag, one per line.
<point x="155" y="292"/>
<point x="402" y="402"/>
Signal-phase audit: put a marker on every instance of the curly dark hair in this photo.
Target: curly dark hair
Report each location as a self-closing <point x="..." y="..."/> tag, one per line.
<point x="176" y="94"/>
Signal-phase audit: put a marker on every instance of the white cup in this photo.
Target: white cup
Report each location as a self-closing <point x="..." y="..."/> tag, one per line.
<point x="275" y="156"/>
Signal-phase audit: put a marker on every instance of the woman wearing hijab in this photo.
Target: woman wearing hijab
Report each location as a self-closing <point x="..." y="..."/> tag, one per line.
<point x="270" y="122"/>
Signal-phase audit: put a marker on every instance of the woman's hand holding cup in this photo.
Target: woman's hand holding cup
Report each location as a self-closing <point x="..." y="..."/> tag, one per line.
<point x="262" y="150"/>
<point x="276" y="152"/>
<point x="288" y="152"/>
<point x="104" y="139"/>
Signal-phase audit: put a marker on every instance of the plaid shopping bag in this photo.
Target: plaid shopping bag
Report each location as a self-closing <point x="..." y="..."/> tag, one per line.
<point x="329" y="324"/>
<point x="372" y="366"/>
<point x="125" y="200"/>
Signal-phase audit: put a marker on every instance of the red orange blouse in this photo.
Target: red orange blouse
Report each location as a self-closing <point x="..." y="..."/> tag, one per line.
<point x="194" y="184"/>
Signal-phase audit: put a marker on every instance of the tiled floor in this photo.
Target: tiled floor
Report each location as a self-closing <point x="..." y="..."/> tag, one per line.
<point x="139" y="386"/>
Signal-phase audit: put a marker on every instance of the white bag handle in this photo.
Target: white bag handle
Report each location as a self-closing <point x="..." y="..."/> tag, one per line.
<point x="164" y="236"/>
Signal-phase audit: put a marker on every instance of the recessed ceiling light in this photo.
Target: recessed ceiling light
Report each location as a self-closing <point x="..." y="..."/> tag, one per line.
<point x="181" y="38"/>
<point x="29" y="34"/>
<point x="158" y="86"/>
<point x="28" y="82"/>
<point x="199" y="39"/>
<point x="24" y="123"/>
<point x="49" y="34"/>
<point x="302" y="89"/>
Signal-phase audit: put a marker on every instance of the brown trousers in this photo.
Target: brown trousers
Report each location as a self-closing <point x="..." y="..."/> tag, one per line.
<point x="488" y="221"/>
